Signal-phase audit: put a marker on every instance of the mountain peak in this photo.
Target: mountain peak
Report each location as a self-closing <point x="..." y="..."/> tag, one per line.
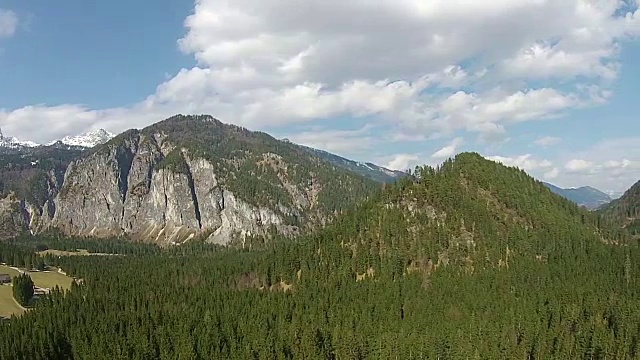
<point x="587" y="196"/>
<point x="88" y="139"/>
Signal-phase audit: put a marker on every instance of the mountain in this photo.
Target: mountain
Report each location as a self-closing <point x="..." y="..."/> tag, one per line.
<point x="31" y="177"/>
<point x="586" y="196"/>
<point x="370" y="170"/>
<point x="626" y="209"/>
<point x="87" y="140"/>
<point x="188" y="177"/>
<point x="478" y="209"/>
<point x="468" y="260"/>
<point x="10" y="142"/>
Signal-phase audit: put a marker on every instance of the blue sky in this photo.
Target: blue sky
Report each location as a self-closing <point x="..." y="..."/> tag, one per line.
<point x="547" y="86"/>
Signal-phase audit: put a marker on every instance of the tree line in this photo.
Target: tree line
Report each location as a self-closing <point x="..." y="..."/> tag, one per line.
<point x="470" y="260"/>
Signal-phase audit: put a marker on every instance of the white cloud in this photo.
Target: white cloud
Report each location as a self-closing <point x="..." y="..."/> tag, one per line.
<point x="402" y="162"/>
<point x="547" y="141"/>
<point x="449" y="150"/>
<point x="8" y="23"/>
<point x="525" y="162"/>
<point x="578" y="165"/>
<point x="424" y="69"/>
<point x="552" y="174"/>
<point x="342" y="142"/>
<point x="613" y="165"/>
<point x="547" y="61"/>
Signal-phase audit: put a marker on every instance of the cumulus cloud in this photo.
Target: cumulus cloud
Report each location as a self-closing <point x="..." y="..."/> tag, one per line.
<point x="578" y="165"/>
<point x="448" y="151"/>
<point x="402" y="162"/>
<point x="8" y="23"/>
<point x="421" y="68"/>
<point x="337" y="141"/>
<point x="525" y="162"/>
<point x="265" y="65"/>
<point x="609" y="165"/>
<point x="552" y="174"/>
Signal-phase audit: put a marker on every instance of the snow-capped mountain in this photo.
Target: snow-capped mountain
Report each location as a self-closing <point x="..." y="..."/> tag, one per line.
<point x="15" y="143"/>
<point x="88" y="140"/>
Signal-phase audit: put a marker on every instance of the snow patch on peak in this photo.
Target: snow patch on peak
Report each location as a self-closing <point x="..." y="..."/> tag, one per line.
<point x="13" y="142"/>
<point x="88" y="140"/>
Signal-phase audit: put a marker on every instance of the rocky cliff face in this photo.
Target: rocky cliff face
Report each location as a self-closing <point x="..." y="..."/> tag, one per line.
<point x="152" y="185"/>
<point x="124" y="191"/>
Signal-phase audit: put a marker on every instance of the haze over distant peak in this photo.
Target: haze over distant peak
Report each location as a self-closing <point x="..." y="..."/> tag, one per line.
<point x="586" y="196"/>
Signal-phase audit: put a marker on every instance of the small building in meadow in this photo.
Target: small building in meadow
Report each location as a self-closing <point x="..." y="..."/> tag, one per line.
<point x="5" y="279"/>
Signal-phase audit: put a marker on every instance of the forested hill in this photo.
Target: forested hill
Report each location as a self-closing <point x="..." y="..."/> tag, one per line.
<point x="470" y="260"/>
<point x="476" y="213"/>
<point x="626" y="209"/>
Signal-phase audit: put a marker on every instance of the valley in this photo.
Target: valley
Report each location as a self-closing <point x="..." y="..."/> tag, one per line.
<point x="321" y="180"/>
<point x="471" y="259"/>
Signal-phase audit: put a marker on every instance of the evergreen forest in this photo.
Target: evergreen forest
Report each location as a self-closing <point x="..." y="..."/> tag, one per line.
<point x="469" y="260"/>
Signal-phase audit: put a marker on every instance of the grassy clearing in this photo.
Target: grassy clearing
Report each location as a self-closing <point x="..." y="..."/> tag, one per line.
<point x="8" y="305"/>
<point x="7" y="270"/>
<point x="43" y="279"/>
<point x="49" y="279"/>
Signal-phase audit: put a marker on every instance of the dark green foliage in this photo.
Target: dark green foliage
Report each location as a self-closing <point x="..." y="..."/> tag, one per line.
<point x="22" y="289"/>
<point x="175" y="162"/>
<point x="625" y="210"/>
<point x="472" y="260"/>
<point x="18" y="254"/>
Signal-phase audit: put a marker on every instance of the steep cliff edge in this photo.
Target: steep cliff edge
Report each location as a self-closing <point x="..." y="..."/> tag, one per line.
<point x="193" y="176"/>
<point x="30" y="179"/>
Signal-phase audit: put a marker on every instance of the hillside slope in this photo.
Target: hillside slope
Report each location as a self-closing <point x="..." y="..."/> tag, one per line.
<point x="586" y="196"/>
<point x="30" y="179"/>
<point x="470" y="260"/>
<point x="193" y="176"/>
<point x="370" y="170"/>
<point x="473" y="212"/>
<point x="626" y="209"/>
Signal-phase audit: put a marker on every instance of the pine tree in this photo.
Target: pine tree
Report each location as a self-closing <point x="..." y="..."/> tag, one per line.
<point x="22" y="289"/>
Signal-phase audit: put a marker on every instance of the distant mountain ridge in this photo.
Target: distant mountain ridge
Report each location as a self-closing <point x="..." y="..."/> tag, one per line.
<point x="14" y="143"/>
<point x="85" y="140"/>
<point x="367" y="169"/>
<point x="101" y="136"/>
<point x="586" y="196"/>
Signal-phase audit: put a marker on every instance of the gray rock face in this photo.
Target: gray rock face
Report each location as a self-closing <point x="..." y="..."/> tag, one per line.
<point x="122" y="191"/>
<point x="182" y="178"/>
<point x="13" y="218"/>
